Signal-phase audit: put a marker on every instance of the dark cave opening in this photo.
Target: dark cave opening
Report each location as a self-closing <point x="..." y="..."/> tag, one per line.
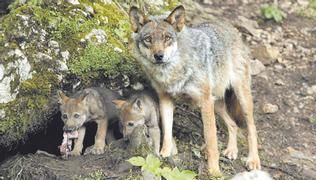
<point x="49" y="138"/>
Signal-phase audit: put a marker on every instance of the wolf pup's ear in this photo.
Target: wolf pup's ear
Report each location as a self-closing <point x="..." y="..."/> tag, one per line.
<point x="138" y="105"/>
<point x="118" y="103"/>
<point x="83" y="96"/>
<point x="137" y="18"/>
<point x="61" y="97"/>
<point x="177" y="18"/>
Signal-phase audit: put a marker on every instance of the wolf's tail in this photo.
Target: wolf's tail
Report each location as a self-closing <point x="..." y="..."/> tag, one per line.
<point x="233" y="107"/>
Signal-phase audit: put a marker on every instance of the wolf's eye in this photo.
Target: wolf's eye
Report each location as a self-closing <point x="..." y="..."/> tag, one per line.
<point x="64" y="116"/>
<point x="147" y="39"/>
<point x="167" y="38"/>
<point x="130" y="124"/>
<point x="76" y="116"/>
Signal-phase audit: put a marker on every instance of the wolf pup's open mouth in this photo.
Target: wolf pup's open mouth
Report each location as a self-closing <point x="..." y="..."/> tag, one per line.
<point x="66" y="144"/>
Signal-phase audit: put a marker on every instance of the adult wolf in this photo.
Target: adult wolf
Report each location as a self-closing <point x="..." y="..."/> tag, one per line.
<point x="207" y="62"/>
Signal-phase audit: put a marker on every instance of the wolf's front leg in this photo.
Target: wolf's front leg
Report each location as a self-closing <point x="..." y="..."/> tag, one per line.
<point x="166" y="109"/>
<point x="99" y="144"/>
<point x="78" y="142"/>
<point x="209" y="127"/>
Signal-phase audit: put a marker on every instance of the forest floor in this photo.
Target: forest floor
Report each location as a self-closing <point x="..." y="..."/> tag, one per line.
<point x="284" y="92"/>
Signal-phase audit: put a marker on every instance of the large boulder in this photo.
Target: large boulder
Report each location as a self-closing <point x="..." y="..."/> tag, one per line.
<point x="41" y="43"/>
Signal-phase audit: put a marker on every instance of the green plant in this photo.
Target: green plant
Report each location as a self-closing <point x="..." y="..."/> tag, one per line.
<point x="273" y="12"/>
<point x="152" y="164"/>
<point x="312" y="4"/>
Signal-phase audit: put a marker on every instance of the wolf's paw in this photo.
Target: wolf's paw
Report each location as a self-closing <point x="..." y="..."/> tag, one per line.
<point x="215" y="172"/>
<point x="95" y="150"/>
<point x="253" y="162"/>
<point x="75" y="153"/>
<point x="230" y="153"/>
<point x="165" y="151"/>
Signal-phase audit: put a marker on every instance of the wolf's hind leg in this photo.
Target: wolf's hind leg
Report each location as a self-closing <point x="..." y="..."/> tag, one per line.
<point x="243" y="93"/>
<point x="231" y="151"/>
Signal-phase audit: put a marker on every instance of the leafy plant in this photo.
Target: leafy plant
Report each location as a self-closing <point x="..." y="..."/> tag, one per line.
<point x="312" y="4"/>
<point x="273" y="12"/>
<point x="152" y="164"/>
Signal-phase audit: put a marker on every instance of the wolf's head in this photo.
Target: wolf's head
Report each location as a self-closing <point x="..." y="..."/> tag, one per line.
<point x="132" y="114"/>
<point x="74" y="111"/>
<point x="157" y="37"/>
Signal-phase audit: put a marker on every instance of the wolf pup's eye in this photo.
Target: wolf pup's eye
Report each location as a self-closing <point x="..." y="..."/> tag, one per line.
<point x="147" y="39"/>
<point x="130" y="124"/>
<point x="64" y="116"/>
<point x="167" y="38"/>
<point x="76" y="116"/>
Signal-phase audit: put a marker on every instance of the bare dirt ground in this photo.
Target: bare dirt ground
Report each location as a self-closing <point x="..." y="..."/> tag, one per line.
<point x="284" y="101"/>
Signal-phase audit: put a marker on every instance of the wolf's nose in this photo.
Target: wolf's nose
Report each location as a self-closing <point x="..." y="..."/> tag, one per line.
<point x="158" y="57"/>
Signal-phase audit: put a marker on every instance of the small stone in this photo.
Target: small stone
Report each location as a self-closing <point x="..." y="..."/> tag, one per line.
<point x="116" y="49"/>
<point x="249" y="25"/>
<point x="279" y="82"/>
<point x="97" y="36"/>
<point x="62" y="65"/>
<point x="278" y="66"/>
<point x="310" y="90"/>
<point x="270" y="108"/>
<point x="89" y="9"/>
<point x="138" y="86"/>
<point x="256" y="67"/>
<point x="53" y="44"/>
<point x="74" y="2"/>
<point x="266" y="53"/>
<point x="290" y="149"/>
<point x="43" y="56"/>
<point x="65" y="55"/>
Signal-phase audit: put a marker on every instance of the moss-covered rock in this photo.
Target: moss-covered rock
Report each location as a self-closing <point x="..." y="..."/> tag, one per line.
<point x="40" y="42"/>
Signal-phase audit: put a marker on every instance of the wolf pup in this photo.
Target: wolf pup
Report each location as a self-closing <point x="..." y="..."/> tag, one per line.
<point x="91" y="104"/>
<point x="140" y="109"/>
<point x="201" y="62"/>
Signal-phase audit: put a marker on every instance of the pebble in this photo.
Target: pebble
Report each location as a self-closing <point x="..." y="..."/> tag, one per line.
<point x="269" y="108"/>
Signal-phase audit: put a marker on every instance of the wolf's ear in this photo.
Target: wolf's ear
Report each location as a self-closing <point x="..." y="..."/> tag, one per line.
<point x="118" y="103"/>
<point x="61" y="97"/>
<point x="137" y="18"/>
<point x="177" y="18"/>
<point x="83" y="96"/>
<point x="138" y="105"/>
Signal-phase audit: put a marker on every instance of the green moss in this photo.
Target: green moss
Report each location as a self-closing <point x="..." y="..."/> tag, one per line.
<point x="26" y="113"/>
<point x="40" y="84"/>
<point x="98" y="58"/>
